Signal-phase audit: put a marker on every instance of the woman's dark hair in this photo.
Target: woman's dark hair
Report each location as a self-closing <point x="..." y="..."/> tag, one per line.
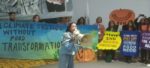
<point x="68" y="27"/>
<point x="79" y="23"/>
<point x="109" y="24"/>
<point x="132" y="25"/>
<point x="112" y="28"/>
<point x="98" y="18"/>
<point x="35" y="17"/>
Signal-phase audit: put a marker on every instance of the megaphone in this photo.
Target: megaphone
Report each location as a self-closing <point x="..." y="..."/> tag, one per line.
<point x="77" y="34"/>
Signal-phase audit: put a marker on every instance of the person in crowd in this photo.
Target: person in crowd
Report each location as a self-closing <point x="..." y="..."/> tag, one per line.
<point x="101" y="28"/>
<point x="143" y="28"/>
<point x="130" y="27"/>
<point x="68" y="48"/>
<point x="64" y="20"/>
<point x="12" y="16"/>
<point x="36" y="18"/>
<point x="110" y="54"/>
<point x="81" y="21"/>
<point x="141" y="25"/>
<point x="145" y="53"/>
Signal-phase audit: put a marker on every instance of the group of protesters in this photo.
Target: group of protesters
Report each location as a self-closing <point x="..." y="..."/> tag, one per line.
<point x="141" y="24"/>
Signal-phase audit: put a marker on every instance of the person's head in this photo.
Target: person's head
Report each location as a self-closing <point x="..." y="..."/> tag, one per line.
<point x="131" y="26"/>
<point x="99" y="20"/>
<point x="111" y="24"/>
<point x="143" y="27"/>
<point x="81" y="21"/>
<point x="142" y="20"/>
<point x="71" y="27"/>
<point x="146" y="21"/>
<point x="36" y="18"/>
<point x="64" y="20"/>
<point x="12" y="16"/>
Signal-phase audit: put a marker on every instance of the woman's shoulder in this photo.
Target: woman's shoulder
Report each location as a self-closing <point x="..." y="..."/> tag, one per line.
<point x="67" y="34"/>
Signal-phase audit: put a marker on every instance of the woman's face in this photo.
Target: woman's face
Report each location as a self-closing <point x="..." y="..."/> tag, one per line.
<point x="111" y="24"/>
<point x="81" y="21"/>
<point x="13" y="16"/>
<point x="99" y="20"/>
<point x="73" y="27"/>
<point x="144" y="27"/>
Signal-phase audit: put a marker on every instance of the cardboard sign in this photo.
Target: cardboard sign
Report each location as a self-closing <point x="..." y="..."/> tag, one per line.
<point x="111" y="41"/>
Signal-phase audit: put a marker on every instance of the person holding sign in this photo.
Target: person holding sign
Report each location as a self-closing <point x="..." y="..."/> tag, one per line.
<point x="69" y="44"/>
<point x="145" y="43"/>
<point x="143" y="28"/>
<point x="110" y="54"/>
<point x="130" y="43"/>
<point x="110" y="42"/>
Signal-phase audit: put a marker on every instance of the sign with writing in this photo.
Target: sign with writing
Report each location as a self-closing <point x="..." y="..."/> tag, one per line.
<point x="145" y="40"/>
<point x="110" y="41"/>
<point x="30" y="40"/>
<point x="130" y="44"/>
